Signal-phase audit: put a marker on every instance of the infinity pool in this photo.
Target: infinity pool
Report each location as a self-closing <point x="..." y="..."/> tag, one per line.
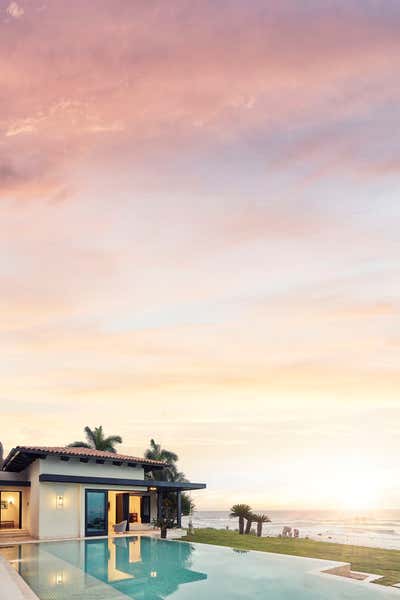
<point x="149" y="569"/>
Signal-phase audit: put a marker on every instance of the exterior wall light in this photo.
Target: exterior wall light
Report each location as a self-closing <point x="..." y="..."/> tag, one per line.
<point x="60" y="501"/>
<point x="59" y="578"/>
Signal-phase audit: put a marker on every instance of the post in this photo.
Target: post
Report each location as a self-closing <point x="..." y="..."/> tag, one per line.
<point x="159" y="504"/>
<point x="178" y="509"/>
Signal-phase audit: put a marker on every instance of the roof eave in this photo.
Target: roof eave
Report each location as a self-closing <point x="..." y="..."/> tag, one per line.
<point x="35" y="454"/>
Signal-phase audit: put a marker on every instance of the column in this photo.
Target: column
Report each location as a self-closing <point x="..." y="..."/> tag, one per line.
<point x="178" y="509"/>
<point x="159" y="504"/>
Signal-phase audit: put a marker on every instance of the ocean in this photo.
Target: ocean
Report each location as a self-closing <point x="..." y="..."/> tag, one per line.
<point x="380" y="529"/>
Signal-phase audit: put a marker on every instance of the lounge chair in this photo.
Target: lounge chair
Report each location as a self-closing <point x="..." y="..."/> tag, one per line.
<point x="296" y="533"/>
<point x="287" y="532"/>
<point x="120" y="527"/>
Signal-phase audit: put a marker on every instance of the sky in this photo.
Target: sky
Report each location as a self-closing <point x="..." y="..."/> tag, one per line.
<point x="199" y="239"/>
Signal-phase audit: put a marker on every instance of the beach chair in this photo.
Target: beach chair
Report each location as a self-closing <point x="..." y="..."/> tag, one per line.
<point x="296" y="533"/>
<point x="120" y="527"/>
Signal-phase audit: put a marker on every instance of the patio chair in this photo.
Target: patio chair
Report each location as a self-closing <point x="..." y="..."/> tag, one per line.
<point x="120" y="527"/>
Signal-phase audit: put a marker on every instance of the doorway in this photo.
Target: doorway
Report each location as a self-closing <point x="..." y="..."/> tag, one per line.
<point x="10" y="510"/>
<point x="127" y="506"/>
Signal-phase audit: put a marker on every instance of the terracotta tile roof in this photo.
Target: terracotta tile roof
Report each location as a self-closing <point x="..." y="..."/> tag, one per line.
<point x="81" y="452"/>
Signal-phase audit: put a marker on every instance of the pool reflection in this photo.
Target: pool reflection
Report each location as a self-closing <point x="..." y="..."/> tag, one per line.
<point x="137" y="567"/>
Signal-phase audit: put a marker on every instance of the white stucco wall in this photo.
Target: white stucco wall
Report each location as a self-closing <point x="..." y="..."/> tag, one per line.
<point x="33" y="517"/>
<point x="53" y="465"/>
<point x="60" y="522"/>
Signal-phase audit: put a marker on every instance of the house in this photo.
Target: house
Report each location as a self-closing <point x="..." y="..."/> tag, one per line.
<point x="57" y="492"/>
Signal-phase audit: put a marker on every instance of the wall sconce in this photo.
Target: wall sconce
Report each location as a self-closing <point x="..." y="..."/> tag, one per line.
<point x="60" y="501"/>
<point x="59" y="578"/>
<point x="10" y="501"/>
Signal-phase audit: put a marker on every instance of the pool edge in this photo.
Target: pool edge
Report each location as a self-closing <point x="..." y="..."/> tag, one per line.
<point x="15" y="586"/>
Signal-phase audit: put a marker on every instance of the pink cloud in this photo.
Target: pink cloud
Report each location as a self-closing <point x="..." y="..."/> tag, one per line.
<point x="152" y="72"/>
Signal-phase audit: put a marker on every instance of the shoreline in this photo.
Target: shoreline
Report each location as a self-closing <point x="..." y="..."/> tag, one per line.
<point x="376" y="530"/>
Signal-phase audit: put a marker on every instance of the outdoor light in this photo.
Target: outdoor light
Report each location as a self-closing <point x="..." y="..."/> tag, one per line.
<point x="60" y="501"/>
<point x="152" y="489"/>
<point x="60" y="578"/>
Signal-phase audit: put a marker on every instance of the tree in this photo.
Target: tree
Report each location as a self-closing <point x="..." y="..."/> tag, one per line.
<point x="260" y="519"/>
<point x="169" y="473"/>
<point x="166" y="520"/>
<point x="250" y="519"/>
<point x="188" y="505"/>
<point x="240" y="511"/>
<point x="96" y="440"/>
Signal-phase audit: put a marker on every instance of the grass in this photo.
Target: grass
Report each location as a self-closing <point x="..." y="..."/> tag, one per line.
<point x="365" y="560"/>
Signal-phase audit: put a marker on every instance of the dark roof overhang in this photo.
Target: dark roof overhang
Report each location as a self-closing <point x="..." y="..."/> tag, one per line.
<point x="147" y="483"/>
<point x="13" y="483"/>
<point x="18" y="459"/>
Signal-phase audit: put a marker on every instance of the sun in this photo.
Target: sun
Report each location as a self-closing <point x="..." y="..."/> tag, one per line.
<point x="358" y="495"/>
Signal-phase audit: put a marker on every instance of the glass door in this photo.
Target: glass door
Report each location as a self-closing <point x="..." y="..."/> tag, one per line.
<point x="96" y="512"/>
<point x="10" y="510"/>
<point x="145" y="509"/>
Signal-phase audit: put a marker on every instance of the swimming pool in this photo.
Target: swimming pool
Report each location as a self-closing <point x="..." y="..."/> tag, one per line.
<point x="150" y="569"/>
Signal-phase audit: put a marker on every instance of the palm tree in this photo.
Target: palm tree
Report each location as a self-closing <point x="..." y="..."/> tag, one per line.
<point x="97" y="441"/>
<point x="250" y="519"/>
<point x="260" y="519"/>
<point x="170" y="473"/>
<point x="242" y="512"/>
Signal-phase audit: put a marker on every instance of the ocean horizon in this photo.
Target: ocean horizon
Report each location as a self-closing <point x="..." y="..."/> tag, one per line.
<point x="375" y="528"/>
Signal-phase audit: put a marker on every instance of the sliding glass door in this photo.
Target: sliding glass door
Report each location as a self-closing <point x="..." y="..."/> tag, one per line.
<point x="96" y="512"/>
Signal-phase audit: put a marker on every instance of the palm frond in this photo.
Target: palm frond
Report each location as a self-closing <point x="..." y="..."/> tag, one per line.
<point x="113" y="439"/>
<point x="261" y="518"/>
<point x="90" y="436"/>
<point x="168" y="456"/>
<point x="96" y="440"/>
<point x="240" y="510"/>
<point x="79" y="445"/>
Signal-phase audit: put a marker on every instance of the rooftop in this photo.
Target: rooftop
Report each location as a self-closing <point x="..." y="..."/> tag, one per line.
<point x="22" y="456"/>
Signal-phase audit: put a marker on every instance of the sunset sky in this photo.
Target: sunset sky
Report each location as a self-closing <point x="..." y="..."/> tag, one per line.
<point x="200" y="241"/>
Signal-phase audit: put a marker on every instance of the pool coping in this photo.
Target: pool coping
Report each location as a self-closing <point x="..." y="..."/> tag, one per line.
<point x="149" y="533"/>
<point x="13" y="585"/>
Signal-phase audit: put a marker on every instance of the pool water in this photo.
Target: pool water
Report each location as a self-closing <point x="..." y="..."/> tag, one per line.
<point x="149" y="569"/>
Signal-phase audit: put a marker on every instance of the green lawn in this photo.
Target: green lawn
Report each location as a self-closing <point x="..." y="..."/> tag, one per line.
<point x="365" y="560"/>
